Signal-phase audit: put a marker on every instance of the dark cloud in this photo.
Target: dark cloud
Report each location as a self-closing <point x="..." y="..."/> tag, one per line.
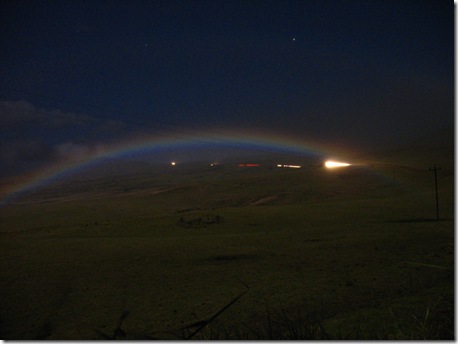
<point x="24" y="150"/>
<point x="30" y="135"/>
<point x="17" y="114"/>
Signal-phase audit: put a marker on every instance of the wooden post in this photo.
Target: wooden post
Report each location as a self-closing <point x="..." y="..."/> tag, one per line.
<point x="435" y="169"/>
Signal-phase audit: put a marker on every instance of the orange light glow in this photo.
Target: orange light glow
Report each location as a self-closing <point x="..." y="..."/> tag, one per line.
<point x="334" y="164"/>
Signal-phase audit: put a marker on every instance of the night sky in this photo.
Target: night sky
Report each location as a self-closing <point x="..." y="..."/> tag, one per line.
<point x="80" y="73"/>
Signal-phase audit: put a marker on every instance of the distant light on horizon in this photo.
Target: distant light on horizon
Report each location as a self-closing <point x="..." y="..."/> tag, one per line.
<point x="334" y="164"/>
<point x="289" y="166"/>
<point x="248" y="165"/>
<point x="173" y="163"/>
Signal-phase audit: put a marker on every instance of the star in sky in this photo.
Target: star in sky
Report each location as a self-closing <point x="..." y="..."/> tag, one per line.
<point x="361" y="73"/>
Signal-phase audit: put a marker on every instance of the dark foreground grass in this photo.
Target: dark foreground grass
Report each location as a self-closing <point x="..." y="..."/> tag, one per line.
<point x="434" y="322"/>
<point x="326" y="256"/>
<point x="304" y="325"/>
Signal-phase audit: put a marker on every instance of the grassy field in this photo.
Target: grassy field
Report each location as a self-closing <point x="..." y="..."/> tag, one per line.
<point x="351" y="254"/>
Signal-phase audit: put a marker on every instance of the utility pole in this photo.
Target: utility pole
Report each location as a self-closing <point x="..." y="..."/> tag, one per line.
<point x="435" y="169"/>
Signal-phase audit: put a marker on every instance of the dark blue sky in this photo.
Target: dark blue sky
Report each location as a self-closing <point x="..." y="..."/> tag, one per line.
<point x="362" y="72"/>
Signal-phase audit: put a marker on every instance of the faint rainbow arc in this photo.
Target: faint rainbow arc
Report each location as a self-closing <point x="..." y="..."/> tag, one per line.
<point x="46" y="176"/>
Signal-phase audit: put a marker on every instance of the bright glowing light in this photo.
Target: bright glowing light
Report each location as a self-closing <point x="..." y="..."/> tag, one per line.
<point x="334" y="164"/>
<point x="173" y="163"/>
<point x="289" y="166"/>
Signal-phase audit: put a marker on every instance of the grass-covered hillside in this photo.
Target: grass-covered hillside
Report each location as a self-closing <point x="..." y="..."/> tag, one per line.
<point x="354" y="253"/>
